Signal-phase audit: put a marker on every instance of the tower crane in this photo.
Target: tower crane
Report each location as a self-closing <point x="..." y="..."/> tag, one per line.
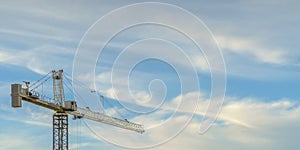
<point x="63" y="108"/>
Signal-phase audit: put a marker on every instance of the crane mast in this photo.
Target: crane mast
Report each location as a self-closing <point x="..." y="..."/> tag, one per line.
<point x="58" y="88"/>
<point x="60" y="118"/>
<point x="64" y="108"/>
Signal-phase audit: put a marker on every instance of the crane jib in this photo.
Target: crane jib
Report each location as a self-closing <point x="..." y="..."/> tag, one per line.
<point x="62" y="108"/>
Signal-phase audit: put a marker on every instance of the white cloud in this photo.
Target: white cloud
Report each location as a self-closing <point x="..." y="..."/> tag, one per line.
<point x="252" y="48"/>
<point x="28" y="116"/>
<point x="40" y="60"/>
<point x="10" y="141"/>
<point x="244" y="122"/>
<point x="268" y="121"/>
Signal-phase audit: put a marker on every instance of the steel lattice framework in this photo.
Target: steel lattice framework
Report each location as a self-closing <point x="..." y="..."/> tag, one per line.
<point x="60" y="131"/>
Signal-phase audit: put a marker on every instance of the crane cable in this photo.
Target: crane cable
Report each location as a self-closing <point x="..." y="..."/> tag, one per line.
<point x="82" y="85"/>
<point x="39" y="82"/>
<point x="78" y="133"/>
<point x="74" y="91"/>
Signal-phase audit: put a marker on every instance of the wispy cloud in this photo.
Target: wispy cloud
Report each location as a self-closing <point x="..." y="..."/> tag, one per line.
<point x="40" y="60"/>
<point x="252" y="49"/>
<point x="247" y="123"/>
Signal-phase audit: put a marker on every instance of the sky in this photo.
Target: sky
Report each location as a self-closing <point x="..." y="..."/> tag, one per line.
<point x="159" y="64"/>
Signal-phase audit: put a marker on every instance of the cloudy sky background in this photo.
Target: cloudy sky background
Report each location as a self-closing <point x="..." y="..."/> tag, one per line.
<point x="260" y="49"/>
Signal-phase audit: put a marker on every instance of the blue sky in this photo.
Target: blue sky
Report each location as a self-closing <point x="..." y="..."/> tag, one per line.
<point x="258" y="40"/>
